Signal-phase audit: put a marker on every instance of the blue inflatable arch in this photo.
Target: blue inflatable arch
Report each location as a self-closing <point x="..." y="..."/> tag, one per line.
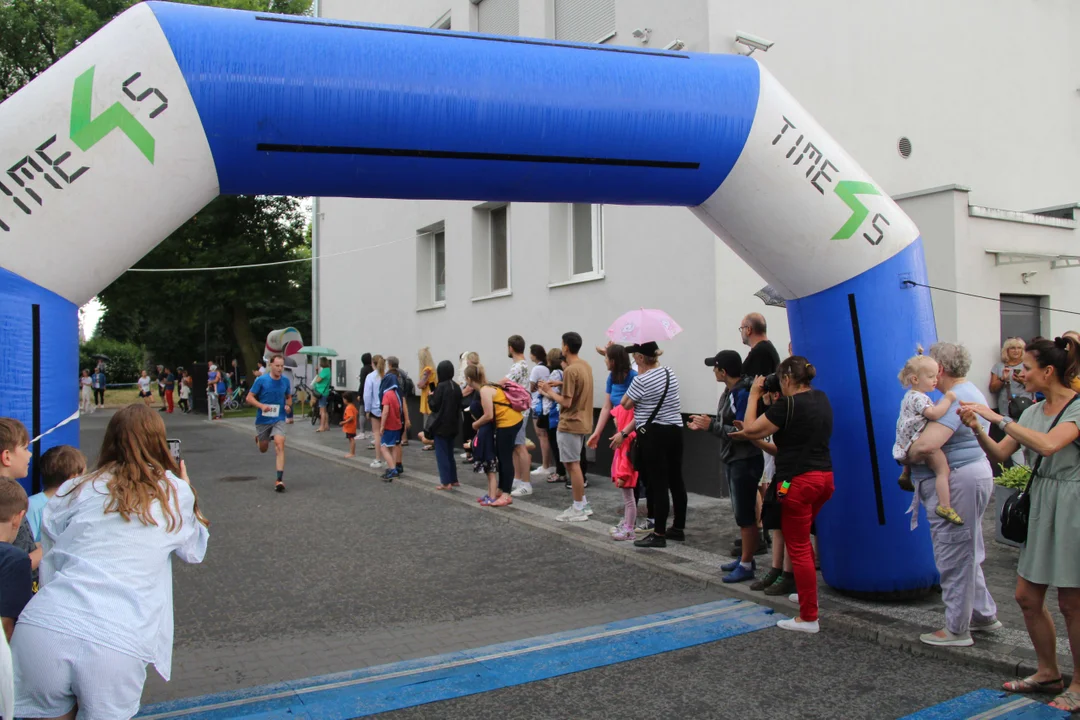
<point x="170" y="105"/>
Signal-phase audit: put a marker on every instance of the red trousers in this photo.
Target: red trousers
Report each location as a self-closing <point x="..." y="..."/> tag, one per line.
<point x="168" y="400"/>
<point x="798" y="509"/>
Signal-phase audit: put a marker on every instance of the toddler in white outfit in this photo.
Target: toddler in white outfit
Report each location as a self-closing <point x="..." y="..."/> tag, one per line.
<point x="919" y="376"/>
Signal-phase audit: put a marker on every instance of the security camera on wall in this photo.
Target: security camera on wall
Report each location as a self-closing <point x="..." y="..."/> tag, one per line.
<point x="752" y="42"/>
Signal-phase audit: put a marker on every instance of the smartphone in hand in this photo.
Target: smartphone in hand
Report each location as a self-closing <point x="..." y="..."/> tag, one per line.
<point x="174" y="448"/>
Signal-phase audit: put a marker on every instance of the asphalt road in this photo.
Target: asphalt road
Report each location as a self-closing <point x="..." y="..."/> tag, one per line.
<point x="344" y="571"/>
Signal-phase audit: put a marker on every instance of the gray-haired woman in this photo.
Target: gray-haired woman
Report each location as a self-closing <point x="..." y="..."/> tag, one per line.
<point x="958" y="549"/>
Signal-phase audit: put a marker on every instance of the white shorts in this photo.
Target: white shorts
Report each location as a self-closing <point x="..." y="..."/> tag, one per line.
<point x="53" y="671"/>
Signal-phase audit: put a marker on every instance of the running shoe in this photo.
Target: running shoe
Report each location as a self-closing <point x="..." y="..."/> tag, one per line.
<point x="279" y="487"/>
<point x="624" y="533"/>
<point x="616" y="529"/>
<point x="389" y="475"/>
<point x="522" y="490"/>
<point x="572" y="514"/>
<point x="588" y="509"/>
<point x="400" y="469"/>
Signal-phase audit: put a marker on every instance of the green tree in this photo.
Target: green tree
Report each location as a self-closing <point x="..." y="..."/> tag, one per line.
<point x="181" y="317"/>
<point x="125" y="362"/>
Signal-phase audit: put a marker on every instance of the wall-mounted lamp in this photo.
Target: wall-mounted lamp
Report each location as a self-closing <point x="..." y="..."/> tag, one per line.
<point x="1026" y="276"/>
<point x="643" y="34"/>
<point x="675" y="44"/>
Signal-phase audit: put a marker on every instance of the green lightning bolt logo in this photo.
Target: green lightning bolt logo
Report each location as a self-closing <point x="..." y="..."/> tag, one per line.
<point x="87" y="131"/>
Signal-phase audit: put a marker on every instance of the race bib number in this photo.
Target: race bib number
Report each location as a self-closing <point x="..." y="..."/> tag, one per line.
<point x="272" y="411"/>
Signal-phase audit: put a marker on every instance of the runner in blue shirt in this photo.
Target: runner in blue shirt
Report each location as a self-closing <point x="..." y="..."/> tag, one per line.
<point x="272" y="396"/>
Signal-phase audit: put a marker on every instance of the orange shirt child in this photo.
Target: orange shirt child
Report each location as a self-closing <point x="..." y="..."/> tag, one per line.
<point x="349" y="422"/>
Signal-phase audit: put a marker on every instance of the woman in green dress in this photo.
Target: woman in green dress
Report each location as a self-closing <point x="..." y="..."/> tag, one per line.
<point x="1049" y="557"/>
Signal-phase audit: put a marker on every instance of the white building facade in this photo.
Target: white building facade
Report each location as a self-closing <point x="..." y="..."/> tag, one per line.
<point x="966" y="112"/>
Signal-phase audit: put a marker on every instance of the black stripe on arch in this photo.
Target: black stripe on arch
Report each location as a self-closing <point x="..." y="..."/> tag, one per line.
<point x="456" y="155"/>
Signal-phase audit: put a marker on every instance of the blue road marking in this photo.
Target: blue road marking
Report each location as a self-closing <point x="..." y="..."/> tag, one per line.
<point x="990" y="705"/>
<point x="360" y="693"/>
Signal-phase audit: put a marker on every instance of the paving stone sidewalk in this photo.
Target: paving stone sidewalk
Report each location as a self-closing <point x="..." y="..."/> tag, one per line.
<point x="710" y="532"/>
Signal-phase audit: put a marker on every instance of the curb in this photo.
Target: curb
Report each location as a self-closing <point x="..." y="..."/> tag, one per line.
<point x="888" y="632"/>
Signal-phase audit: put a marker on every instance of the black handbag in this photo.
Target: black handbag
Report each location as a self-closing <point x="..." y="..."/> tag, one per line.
<point x="634" y="453"/>
<point x="1015" y="406"/>
<point x="1017" y="508"/>
<point x="771" y="509"/>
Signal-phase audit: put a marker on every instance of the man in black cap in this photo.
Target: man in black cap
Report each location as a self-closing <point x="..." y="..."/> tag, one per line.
<point x="743" y="461"/>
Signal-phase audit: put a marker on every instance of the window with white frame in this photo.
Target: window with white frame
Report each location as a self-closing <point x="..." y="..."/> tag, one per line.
<point x="431" y="267"/>
<point x="499" y="249"/>
<point x="586" y="236"/>
<point x="497" y="17"/>
<point x="438" y="251"/>
<point x="491" y="250"/>
<point x="588" y="21"/>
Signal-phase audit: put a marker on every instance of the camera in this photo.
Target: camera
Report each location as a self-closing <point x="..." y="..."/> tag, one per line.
<point x="771" y="384"/>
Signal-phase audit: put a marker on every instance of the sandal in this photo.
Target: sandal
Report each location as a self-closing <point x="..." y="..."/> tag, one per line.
<point x="502" y="501"/>
<point x="1031" y="685"/>
<point x="1068" y="701"/>
<point x="444" y="487"/>
<point x="949" y="514"/>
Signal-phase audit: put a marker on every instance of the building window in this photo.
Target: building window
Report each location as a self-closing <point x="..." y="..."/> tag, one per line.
<point x="497" y="17"/>
<point x="500" y="255"/>
<point x="588" y="21"/>
<point x="586" y="239"/>
<point x="491" y="250"/>
<point x="438" y="250"/>
<point x="1021" y="317"/>
<point x="431" y="267"/>
<point x="576" y="244"/>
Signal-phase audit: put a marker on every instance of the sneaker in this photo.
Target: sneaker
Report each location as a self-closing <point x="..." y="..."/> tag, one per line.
<point x="944" y="638"/>
<point x="646" y="525"/>
<point x="652" y="540"/>
<point x="994" y="624"/>
<point x="279" y="486"/>
<point x="541" y="471"/>
<point x="516" y="485"/>
<point x="400" y="469"/>
<point x="793" y="597"/>
<point x="797" y="626"/>
<point x="371" y="446"/>
<point x="616" y="529"/>
<point x="572" y="514"/>
<point x="729" y="566"/>
<point x="781" y="586"/>
<point x="739" y="574"/>
<point x="587" y="509"/>
<point x="676" y="534"/>
<point x="389" y="475"/>
<point x="570" y="485"/>
<point x="522" y="490"/>
<point x="624" y="534"/>
<point x="765" y="582"/>
<point x="377" y="464"/>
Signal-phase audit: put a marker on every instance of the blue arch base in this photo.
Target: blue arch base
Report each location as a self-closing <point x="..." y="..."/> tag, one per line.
<point x="866" y="544"/>
<point x="59" y="343"/>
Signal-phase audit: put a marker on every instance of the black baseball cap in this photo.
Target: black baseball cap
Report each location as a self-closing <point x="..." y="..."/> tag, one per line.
<point x="648" y="349"/>
<point x="727" y="360"/>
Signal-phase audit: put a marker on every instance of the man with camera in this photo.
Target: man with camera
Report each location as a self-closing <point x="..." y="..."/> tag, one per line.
<point x="743" y="461"/>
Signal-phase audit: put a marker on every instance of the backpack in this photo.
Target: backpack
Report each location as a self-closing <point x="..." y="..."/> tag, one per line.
<point x="517" y="397"/>
<point x="408" y="387"/>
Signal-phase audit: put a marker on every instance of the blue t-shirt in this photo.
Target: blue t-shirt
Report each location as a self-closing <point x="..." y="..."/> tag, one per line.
<point x="963" y="447"/>
<point x="269" y="391"/>
<point x="16" y="586"/>
<point x="33" y="513"/>
<point x="617" y="390"/>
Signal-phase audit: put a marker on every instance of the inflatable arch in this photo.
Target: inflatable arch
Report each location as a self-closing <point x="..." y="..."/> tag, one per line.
<point x="133" y="132"/>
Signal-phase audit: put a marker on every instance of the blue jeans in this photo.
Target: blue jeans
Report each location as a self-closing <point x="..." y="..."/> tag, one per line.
<point x="444" y="458"/>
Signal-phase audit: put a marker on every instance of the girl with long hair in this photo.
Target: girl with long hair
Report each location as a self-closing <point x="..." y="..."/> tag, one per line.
<point x="497" y="425"/>
<point x="468" y="433"/>
<point x="104" y="609"/>
<point x="373" y="405"/>
<point x="427" y="384"/>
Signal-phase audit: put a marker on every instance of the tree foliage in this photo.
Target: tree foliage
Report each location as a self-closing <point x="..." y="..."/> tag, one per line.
<point x="126" y="360"/>
<point x="189" y="316"/>
<point x="181" y="317"/>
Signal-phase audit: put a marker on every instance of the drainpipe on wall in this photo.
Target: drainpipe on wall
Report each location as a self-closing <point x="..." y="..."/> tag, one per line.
<point x="315" y="334"/>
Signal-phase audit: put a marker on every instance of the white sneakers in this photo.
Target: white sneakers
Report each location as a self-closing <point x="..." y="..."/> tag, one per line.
<point x="377" y="464"/>
<point x="944" y="638"/>
<point x="572" y="514"/>
<point x="541" y="471"/>
<point x="522" y="490"/>
<point x="797" y="626"/>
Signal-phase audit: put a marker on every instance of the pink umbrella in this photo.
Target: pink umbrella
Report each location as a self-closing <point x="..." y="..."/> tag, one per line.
<point x="642" y="326"/>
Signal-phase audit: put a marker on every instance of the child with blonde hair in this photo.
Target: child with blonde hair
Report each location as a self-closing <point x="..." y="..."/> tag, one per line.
<point x="920" y="376"/>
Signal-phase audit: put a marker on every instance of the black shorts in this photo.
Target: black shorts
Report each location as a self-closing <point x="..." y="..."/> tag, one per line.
<point x="350" y="436"/>
<point x="743" y="477"/>
<point x="542" y="422"/>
